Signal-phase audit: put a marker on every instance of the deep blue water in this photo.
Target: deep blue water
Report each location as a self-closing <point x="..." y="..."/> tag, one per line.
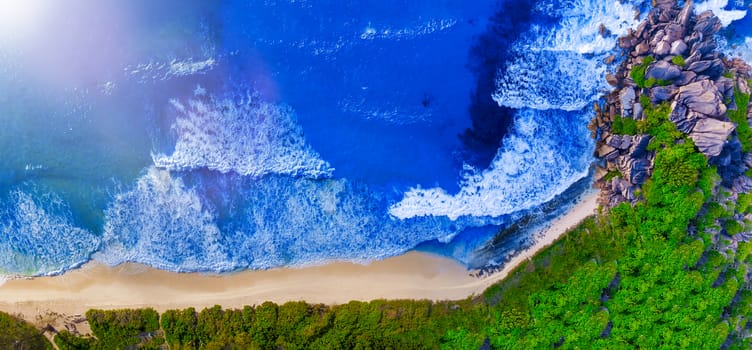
<point x="203" y="136"/>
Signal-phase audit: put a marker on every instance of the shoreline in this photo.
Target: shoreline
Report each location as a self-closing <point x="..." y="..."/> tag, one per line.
<point x="413" y="275"/>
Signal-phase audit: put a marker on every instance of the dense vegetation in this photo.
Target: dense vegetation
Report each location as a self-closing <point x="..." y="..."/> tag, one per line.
<point x="17" y="334"/>
<point x="662" y="273"/>
<point x="658" y="274"/>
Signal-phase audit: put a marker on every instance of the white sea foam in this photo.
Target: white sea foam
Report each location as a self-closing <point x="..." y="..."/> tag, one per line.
<point x="544" y="153"/>
<point x="268" y="222"/>
<point x="742" y="50"/>
<point x="37" y="236"/>
<point x="550" y="80"/>
<point x="372" y="32"/>
<point x="580" y="27"/>
<point x="162" y="223"/>
<point x="718" y="8"/>
<point x="285" y="221"/>
<point x="248" y="137"/>
<point x="164" y="70"/>
<point x="549" y="68"/>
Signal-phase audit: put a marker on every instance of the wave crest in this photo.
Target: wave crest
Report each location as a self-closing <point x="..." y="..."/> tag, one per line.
<point x="560" y="66"/>
<point x="162" y="223"/>
<point x="248" y="137"/>
<point x="38" y="236"/>
<point x="544" y="153"/>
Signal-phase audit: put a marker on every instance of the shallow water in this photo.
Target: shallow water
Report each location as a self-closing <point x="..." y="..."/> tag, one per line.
<point x="196" y="136"/>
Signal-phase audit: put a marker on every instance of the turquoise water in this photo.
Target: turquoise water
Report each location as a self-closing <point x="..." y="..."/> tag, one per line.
<point x="207" y="136"/>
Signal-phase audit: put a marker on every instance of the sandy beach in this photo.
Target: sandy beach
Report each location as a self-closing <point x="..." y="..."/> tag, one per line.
<point x="410" y="276"/>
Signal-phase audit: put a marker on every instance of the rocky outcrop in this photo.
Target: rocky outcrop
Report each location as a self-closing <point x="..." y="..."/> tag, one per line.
<point x="702" y="97"/>
<point x="709" y="135"/>
<point x="687" y="73"/>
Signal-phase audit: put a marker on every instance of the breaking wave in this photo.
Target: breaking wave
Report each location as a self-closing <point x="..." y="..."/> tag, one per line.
<point x="543" y="154"/>
<point x="561" y="66"/>
<point x="249" y="137"/>
<point x="204" y="221"/>
<point x="38" y="236"/>
<point x="162" y="223"/>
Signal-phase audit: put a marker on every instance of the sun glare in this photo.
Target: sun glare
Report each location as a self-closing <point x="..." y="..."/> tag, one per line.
<point x="18" y="18"/>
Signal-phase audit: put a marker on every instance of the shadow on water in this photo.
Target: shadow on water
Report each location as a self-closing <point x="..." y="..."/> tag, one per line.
<point x="520" y="235"/>
<point x="488" y="56"/>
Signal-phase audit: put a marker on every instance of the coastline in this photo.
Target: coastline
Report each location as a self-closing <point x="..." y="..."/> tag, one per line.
<point x="413" y="275"/>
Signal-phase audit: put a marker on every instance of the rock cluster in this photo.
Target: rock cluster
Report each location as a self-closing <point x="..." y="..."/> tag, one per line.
<point x="677" y="50"/>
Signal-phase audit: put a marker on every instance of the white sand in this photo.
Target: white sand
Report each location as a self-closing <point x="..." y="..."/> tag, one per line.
<point x="411" y="276"/>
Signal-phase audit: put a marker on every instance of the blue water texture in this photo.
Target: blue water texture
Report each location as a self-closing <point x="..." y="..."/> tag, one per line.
<point x="214" y="137"/>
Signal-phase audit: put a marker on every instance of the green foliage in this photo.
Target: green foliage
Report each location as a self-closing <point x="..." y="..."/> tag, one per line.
<point x="15" y="333"/>
<point x="460" y="338"/>
<point x="180" y="328"/>
<point x="739" y="116"/>
<point x="678" y="165"/>
<point x="743" y="203"/>
<point x="624" y="126"/>
<point x="656" y="82"/>
<point x="630" y="278"/>
<point x="611" y="174"/>
<point x="733" y="227"/>
<point x="678" y="60"/>
<point x="118" y="329"/>
<point x="67" y="341"/>
<point x="656" y="124"/>
<point x="638" y="72"/>
<point x="645" y="101"/>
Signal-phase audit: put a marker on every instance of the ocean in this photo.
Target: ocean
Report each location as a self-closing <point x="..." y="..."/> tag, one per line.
<point x="222" y="136"/>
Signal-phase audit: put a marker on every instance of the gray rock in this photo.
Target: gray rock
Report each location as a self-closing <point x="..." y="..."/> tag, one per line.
<point x="657" y="38"/>
<point x="748" y="160"/>
<point x="702" y="97"/>
<point x="663" y="48"/>
<point x="628" y="42"/>
<point x="686" y="77"/>
<point x="637" y="111"/>
<point x="693" y="57"/>
<point x="641" y="49"/>
<point x="612" y="80"/>
<point x="710" y="135"/>
<point x="678" y="47"/>
<point x="743" y="86"/>
<point x="704" y="47"/>
<point x="634" y="170"/>
<point x="674" y="32"/>
<point x="707" y="24"/>
<point x="726" y="87"/>
<point x="742" y="184"/>
<point x="699" y="66"/>
<point x="659" y="94"/>
<point x="600" y="173"/>
<point x="685" y="14"/>
<point x="622" y="142"/>
<point x="662" y="70"/>
<point x="639" y="147"/>
<point x="606" y="152"/>
<point x="615" y="199"/>
<point x="641" y="29"/>
<point x="716" y="69"/>
<point x="626" y="97"/>
<point x="713" y="69"/>
<point x="619" y="185"/>
<point x="678" y="116"/>
<point x="692" y="38"/>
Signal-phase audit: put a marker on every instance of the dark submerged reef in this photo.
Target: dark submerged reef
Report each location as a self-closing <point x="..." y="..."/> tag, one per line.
<point x="666" y="263"/>
<point x="490" y="121"/>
